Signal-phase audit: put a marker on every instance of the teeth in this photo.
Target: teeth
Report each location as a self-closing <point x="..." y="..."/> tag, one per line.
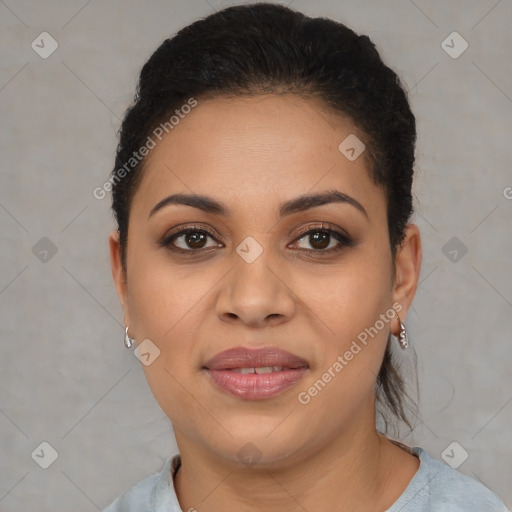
<point x="261" y="369"/>
<point x="264" y="369"/>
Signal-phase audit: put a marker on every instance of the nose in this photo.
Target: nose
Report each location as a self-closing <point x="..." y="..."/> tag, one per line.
<point x="256" y="294"/>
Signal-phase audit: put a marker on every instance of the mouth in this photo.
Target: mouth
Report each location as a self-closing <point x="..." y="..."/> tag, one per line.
<point x="255" y="374"/>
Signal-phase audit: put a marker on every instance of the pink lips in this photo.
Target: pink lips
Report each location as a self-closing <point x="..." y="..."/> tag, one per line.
<point x="287" y="369"/>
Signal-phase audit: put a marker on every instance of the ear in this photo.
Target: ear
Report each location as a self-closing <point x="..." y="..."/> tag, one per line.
<point x="118" y="273"/>
<point x="408" y="266"/>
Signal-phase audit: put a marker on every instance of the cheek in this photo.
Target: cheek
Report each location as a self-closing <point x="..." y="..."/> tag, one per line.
<point x="162" y="297"/>
<point x="353" y="295"/>
<point x="352" y="303"/>
<point x="167" y="304"/>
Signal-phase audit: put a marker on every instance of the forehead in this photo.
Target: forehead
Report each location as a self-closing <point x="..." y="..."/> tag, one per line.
<point x="262" y="149"/>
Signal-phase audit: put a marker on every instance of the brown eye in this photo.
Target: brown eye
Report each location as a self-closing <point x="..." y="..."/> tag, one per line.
<point x="323" y="240"/>
<point x="189" y="240"/>
<point x="195" y="239"/>
<point x="319" y="240"/>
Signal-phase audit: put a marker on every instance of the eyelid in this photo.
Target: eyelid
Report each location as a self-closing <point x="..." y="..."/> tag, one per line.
<point x="324" y="226"/>
<point x="182" y="229"/>
<point x="342" y="238"/>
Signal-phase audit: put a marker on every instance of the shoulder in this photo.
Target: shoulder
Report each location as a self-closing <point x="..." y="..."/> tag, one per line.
<point x="151" y="494"/>
<point x="135" y="498"/>
<point x="445" y="489"/>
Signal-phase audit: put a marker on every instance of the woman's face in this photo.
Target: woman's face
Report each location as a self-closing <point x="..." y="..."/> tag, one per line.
<point x="250" y="277"/>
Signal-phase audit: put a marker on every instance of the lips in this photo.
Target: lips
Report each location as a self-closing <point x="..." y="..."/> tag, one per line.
<point x="255" y="374"/>
<point x="241" y="357"/>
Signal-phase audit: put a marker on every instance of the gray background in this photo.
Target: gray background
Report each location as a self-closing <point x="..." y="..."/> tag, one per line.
<point x="65" y="376"/>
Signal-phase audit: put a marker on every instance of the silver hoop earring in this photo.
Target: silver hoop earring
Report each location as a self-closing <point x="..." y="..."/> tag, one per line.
<point x="403" y="339"/>
<point x="128" y="342"/>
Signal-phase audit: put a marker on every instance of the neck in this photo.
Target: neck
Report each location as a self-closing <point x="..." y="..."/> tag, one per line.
<point x="361" y="469"/>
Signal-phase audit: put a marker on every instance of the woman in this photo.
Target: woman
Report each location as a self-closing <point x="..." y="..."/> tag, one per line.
<point x="265" y="263"/>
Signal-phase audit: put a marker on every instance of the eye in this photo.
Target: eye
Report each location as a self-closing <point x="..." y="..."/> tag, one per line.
<point x="189" y="240"/>
<point x="323" y="240"/>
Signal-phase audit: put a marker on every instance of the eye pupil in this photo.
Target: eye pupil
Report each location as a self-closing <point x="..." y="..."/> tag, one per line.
<point x="194" y="239"/>
<point x="321" y="237"/>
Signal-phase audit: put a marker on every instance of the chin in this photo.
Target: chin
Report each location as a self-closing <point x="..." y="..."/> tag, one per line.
<point x="257" y="441"/>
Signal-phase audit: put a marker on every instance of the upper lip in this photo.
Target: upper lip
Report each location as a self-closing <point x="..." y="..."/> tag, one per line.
<point x="244" y="357"/>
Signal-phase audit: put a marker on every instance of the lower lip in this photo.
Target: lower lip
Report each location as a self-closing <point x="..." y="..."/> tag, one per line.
<point x="254" y="386"/>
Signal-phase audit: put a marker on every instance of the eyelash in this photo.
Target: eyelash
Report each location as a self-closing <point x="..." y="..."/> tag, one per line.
<point x="343" y="239"/>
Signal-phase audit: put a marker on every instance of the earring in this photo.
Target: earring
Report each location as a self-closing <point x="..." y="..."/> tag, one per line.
<point x="128" y="342"/>
<point x="403" y="339"/>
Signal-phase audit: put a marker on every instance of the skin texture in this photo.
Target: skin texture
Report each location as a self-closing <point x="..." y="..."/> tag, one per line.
<point x="252" y="154"/>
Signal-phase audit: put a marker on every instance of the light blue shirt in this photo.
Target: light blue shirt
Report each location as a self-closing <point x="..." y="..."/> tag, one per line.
<point x="435" y="487"/>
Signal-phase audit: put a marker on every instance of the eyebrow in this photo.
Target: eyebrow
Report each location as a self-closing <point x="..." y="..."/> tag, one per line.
<point x="299" y="204"/>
